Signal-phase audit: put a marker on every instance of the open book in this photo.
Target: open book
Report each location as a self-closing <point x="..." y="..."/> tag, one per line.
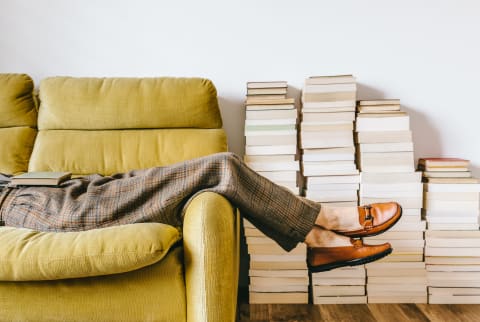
<point x="40" y="178"/>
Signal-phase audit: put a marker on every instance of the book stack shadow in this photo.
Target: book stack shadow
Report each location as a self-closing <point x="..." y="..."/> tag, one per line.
<point x="276" y="276"/>
<point x="329" y="173"/>
<point x="385" y="156"/>
<point x="452" y="249"/>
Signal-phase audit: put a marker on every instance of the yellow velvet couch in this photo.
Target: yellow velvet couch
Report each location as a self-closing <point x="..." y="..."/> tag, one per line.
<point x="110" y="125"/>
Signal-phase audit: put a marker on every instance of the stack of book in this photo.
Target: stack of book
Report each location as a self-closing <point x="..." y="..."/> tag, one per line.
<point x="329" y="172"/>
<point x="271" y="148"/>
<point x="266" y="90"/>
<point x="386" y="161"/>
<point x="451" y="209"/>
<point x="326" y="139"/>
<point x="276" y="276"/>
<point x="340" y="286"/>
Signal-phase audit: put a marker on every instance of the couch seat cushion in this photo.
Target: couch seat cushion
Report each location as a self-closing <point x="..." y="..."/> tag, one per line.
<point x="28" y="255"/>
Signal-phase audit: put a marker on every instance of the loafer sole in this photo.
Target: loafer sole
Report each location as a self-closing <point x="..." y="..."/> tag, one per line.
<point x="353" y="262"/>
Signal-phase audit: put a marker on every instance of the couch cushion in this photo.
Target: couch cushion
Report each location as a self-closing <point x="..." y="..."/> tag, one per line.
<point x="152" y="293"/>
<point x="109" y="152"/>
<point x="127" y="103"/>
<point x="27" y="255"/>
<point x="17" y="106"/>
<point x="16" y="145"/>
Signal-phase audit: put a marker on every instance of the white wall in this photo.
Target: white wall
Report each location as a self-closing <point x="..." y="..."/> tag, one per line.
<point x="427" y="53"/>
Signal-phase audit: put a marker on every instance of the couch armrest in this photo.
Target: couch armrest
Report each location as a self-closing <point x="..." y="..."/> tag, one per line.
<point x="211" y="246"/>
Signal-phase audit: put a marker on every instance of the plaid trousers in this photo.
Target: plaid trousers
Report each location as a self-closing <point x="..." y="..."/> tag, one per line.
<point x="160" y="195"/>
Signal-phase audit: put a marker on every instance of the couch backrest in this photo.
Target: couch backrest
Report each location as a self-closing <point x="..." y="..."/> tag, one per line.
<point x="18" y="120"/>
<point x="110" y="125"/>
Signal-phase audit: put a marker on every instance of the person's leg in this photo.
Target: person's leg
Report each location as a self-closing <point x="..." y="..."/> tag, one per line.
<point x="160" y="194"/>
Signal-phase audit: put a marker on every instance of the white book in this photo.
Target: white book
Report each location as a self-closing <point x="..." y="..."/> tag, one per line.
<point x="338" y="290"/>
<point x="453" y="234"/>
<point x="278" y="273"/>
<point x="326" y="118"/>
<point x="411" y="212"/>
<point x="453" y="268"/>
<point x="454" y="299"/>
<point x="325" y="168"/>
<point x="450" y="213"/>
<point x="271" y="114"/>
<point x="334" y="187"/>
<point x="267" y="84"/>
<point x="329" y="157"/>
<point x="333" y="79"/>
<point x="271" y="140"/>
<point x="453" y="187"/>
<point x="270" y="149"/>
<point x="275" y="166"/>
<point x="277" y="288"/>
<point x="391" y="194"/>
<point x="269" y="132"/>
<point x="269" y="107"/>
<point x="317" y="300"/>
<point x="320" y="104"/>
<point x="386" y="147"/>
<point x="384" y="137"/>
<point x="415" y="188"/>
<point x="454" y="206"/>
<point x="257" y="280"/>
<point x="345" y="126"/>
<point x="315" y="143"/>
<point x="418" y="280"/>
<point x="415" y="226"/>
<point x="311" y="182"/>
<point x="338" y="281"/>
<point x="382" y="122"/>
<point x="452" y="226"/>
<point x="329" y="88"/>
<point x="325" y="196"/>
<point x="452" y="251"/>
<point x="279" y="175"/>
<point x="452" y="242"/>
<point x="279" y="298"/>
<point x="269" y="158"/>
<point x="398" y="299"/>
<point x="385" y="267"/>
<point x="452" y="220"/>
<point x="452" y="196"/>
<point x="290" y="121"/>
<point x="391" y="178"/>
<point x="311" y="109"/>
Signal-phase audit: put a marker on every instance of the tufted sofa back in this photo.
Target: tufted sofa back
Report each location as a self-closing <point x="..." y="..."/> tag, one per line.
<point x="110" y="125"/>
<point x="18" y="120"/>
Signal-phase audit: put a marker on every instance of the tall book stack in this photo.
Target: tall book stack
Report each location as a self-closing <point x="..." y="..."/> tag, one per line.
<point x="452" y="252"/>
<point x="329" y="173"/>
<point x="386" y="161"/>
<point x="271" y="148"/>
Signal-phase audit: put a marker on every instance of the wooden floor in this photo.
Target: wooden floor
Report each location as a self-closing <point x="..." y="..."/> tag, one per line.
<point x="359" y="312"/>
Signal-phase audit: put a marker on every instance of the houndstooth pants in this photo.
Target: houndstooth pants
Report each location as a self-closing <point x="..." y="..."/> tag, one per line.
<point x="160" y="195"/>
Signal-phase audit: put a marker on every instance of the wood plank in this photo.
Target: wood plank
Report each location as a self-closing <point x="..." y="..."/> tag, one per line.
<point x="451" y="312"/>
<point x="358" y="312"/>
<point x="345" y="312"/>
<point x="397" y="312"/>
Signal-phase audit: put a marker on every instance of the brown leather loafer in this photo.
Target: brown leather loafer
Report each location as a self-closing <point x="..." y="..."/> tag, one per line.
<point x="321" y="259"/>
<point x="375" y="219"/>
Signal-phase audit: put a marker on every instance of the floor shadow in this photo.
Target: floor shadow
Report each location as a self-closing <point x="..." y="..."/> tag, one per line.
<point x="233" y="115"/>
<point x="365" y="92"/>
<point x="425" y="135"/>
